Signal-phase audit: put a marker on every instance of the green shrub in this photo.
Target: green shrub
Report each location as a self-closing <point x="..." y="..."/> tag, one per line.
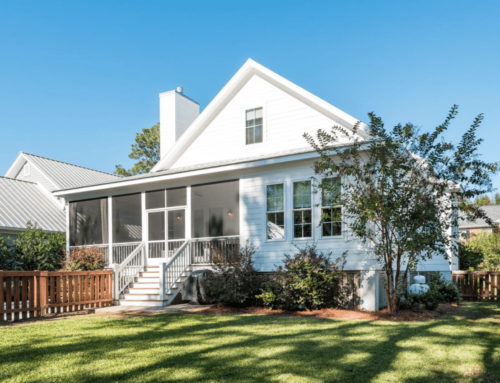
<point x="234" y="281"/>
<point x="7" y="261"/>
<point x="440" y="291"/>
<point x="34" y="249"/>
<point x="307" y="279"/>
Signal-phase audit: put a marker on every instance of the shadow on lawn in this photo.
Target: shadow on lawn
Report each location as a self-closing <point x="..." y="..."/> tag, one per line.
<point x="230" y="348"/>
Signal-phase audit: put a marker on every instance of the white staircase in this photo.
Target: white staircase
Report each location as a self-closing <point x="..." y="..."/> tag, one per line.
<point x="136" y="284"/>
<point x="145" y="289"/>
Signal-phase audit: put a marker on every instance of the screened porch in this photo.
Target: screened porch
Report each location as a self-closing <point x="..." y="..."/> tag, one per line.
<point x="207" y="216"/>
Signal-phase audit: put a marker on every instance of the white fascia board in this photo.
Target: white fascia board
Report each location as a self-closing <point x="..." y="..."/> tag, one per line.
<point x="192" y="173"/>
<point x="249" y="69"/>
<point x="16" y="166"/>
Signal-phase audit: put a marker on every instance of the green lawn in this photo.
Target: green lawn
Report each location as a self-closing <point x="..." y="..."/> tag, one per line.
<point x="185" y="347"/>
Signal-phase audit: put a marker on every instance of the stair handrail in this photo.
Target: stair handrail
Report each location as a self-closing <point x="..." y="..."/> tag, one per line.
<point x="165" y="285"/>
<point x="122" y="280"/>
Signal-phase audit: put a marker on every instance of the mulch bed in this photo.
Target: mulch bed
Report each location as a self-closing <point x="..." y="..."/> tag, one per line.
<point x="384" y="315"/>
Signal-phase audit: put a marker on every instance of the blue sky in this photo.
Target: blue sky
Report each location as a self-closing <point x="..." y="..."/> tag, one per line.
<point x="78" y="79"/>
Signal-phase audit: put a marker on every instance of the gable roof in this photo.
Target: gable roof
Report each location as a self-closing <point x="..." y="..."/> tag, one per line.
<point x="249" y="69"/>
<point x="492" y="211"/>
<point x="61" y="174"/>
<point x="22" y="201"/>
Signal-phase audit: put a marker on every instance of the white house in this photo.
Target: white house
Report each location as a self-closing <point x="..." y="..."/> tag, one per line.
<point x="26" y="192"/>
<point x="239" y="171"/>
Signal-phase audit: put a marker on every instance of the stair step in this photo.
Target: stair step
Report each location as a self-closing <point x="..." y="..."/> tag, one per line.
<point x="147" y="280"/>
<point x="136" y="290"/>
<point x="145" y="285"/>
<point x="150" y="274"/>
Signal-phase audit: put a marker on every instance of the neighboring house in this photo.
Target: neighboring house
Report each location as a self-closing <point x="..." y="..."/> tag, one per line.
<point x="239" y="171"/>
<point x="467" y="228"/>
<point x="26" y="192"/>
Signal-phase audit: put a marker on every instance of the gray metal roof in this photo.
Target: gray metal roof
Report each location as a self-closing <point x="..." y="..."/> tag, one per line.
<point x="492" y="211"/>
<point x="66" y="175"/>
<point x="22" y="201"/>
<point x="207" y="165"/>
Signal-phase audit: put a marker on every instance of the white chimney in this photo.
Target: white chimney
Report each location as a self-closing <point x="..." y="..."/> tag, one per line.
<point x="177" y="113"/>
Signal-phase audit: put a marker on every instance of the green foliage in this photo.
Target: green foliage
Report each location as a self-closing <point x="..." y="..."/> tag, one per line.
<point x="308" y="279"/>
<point x="488" y="246"/>
<point x="397" y="190"/>
<point x="235" y="281"/>
<point x="146" y="149"/>
<point x="7" y="260"/>
<point x="34" y="249"/>
<point x="85" y="258"/>
<point x="482" y="200"/>
<point x="469" y="259"/>
<point x="440" y="291"/>
<point x="496" y="197"/>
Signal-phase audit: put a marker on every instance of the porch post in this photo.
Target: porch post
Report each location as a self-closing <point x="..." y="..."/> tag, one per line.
<point x="68" y="244"/>
<point x="145" y="225"/>
<point x="162" y="268"/>
<point x="188" y="219"/>
<point x="110" y="230"/>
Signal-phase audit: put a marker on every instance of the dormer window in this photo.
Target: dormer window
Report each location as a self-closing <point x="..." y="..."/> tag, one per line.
<point x="254" y="126"/>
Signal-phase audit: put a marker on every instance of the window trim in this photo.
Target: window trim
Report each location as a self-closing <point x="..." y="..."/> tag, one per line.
<point x="293" y="181"/>
<point x="255" y="144"/>
<point x="284" y="239"/>
<point x="321" y="207"/>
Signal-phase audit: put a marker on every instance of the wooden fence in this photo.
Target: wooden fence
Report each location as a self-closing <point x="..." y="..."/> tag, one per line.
<point x="478" y="285"/>
<point x="31" y="294"/>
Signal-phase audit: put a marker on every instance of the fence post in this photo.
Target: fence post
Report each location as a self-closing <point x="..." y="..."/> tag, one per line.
<point x="115" y="288"/>
<point x="162" y="268"/>
<point x="42" y="293"/>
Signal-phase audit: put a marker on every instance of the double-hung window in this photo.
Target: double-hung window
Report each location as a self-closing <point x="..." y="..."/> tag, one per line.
<point x="302" y="210"/>
<point x="331" y="225"/>
<point x="275" y="212"/>
<point x="254" y="126"/>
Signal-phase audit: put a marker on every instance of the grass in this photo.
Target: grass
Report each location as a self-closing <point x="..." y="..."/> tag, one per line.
<point x="248" y="348"/>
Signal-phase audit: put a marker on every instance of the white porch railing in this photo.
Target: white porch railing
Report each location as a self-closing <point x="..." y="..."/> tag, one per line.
<point x="203" y="249"/>
<point x="157" y="248"/>
<point x="171" y="272"/>
<point x="122" y="250"/>
<point x="126" y="271"/>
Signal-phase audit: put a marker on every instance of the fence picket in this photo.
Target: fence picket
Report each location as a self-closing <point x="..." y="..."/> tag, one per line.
<point x="477" y="285"/>
<point x="30" y="294"/>
<point x="24" y="296"/>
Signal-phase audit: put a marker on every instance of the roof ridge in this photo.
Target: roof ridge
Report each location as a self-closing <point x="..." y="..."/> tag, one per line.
<point x="67" y="163"/>
<point x="18" y="180"/>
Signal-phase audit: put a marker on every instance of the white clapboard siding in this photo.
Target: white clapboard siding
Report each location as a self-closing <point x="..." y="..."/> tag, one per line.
<point x="286" y="119"/>
<point x="35" y="176"/>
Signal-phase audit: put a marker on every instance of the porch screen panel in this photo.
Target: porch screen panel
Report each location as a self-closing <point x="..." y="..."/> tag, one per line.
<point x="156" y="226"/>
<point x="155" y="199"/>
<point x="176" y="224"/>
<point x="127" y="218"/>
<point x="176" y="197"/>
<point x="88" y="222"/>
<point x="215" y="209"/>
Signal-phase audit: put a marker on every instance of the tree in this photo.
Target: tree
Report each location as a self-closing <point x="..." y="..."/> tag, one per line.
<point x="146" y="149"/>
<point x="488" y="246"/>
<point x="497" y="198"/>
<point x="482" y="200"/>
<point x="398" y="190"/>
